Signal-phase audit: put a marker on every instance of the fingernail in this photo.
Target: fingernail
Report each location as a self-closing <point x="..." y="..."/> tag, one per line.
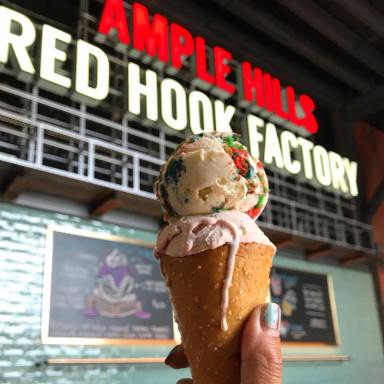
<point x="271" y="317"/>
<point x="170" y="354"/>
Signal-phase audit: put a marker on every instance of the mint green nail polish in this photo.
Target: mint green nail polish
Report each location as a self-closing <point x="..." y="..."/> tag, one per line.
<point x="272" y="315"/>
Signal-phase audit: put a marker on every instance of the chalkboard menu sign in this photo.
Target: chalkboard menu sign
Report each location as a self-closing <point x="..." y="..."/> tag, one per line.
<point x="103" y="290"/>
<point x="308" y="313"/>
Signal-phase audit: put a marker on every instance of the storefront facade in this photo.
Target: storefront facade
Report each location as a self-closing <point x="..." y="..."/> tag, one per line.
<point x="82" y="152"/>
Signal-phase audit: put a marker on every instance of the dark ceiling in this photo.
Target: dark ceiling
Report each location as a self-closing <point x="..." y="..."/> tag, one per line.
<point x="330" y="49"/>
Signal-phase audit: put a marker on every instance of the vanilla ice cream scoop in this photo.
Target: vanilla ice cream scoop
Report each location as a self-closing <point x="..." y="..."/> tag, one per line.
<point x="211" y="173"/>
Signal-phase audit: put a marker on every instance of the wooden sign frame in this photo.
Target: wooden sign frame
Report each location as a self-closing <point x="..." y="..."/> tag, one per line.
<point x="333" y="314"/>
<point x="45" y="337"/>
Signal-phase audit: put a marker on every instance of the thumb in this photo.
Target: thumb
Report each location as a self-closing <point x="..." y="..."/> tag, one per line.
<point x="261" y="359"/>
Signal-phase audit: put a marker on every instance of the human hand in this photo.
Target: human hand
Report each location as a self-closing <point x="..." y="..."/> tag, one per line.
<point x="261" y="359"/>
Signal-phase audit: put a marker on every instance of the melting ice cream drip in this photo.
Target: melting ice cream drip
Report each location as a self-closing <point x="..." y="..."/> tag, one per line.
<point x="192" y="234"/>
<point x="234" y="246"/>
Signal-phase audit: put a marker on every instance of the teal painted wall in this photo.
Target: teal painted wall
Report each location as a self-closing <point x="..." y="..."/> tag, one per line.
<point x="22" y="246"/>
<point x="359" y="330"/>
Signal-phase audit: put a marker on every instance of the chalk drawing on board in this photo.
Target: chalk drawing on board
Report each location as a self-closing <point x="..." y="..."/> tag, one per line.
<point x="114" y="293"/>
<point x="102" y="289"/>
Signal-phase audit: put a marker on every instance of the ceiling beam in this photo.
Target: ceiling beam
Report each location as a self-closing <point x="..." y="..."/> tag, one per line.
<point x="350" y="260"/>
<point x="334" y="30"/>
<point x="14" y="185"/>
<point x="104" y="204"/>
<point x="367" y="104"/>
<point x="375" y="202"/>
<point x="365" y="13"/>
<point x="318" y="253"/>
<point x="285" y="243"/>
<point x="218" y="30"/>
<point x="287" y="35"/>
<point x="358" y="258"/>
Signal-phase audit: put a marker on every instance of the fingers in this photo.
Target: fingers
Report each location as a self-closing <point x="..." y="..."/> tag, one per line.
<point x="261" y="359"/>
<point x="177" y="358"/>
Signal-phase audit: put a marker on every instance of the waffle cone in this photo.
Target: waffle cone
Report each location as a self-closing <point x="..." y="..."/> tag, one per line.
<point x="195" y="283"/>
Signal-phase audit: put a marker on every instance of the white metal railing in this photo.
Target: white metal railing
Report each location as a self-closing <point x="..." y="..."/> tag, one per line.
<point x="81" y="114"/>
<point x="87" y="172"/>
<point x="318" y="224"/>
<point x="79" y="152"/>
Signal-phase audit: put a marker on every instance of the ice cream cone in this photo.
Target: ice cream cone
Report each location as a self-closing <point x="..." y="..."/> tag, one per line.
<point x="196" y="286"/>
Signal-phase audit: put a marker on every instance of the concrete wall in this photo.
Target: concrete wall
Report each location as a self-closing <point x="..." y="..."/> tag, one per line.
<point x="22" y="243"/>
